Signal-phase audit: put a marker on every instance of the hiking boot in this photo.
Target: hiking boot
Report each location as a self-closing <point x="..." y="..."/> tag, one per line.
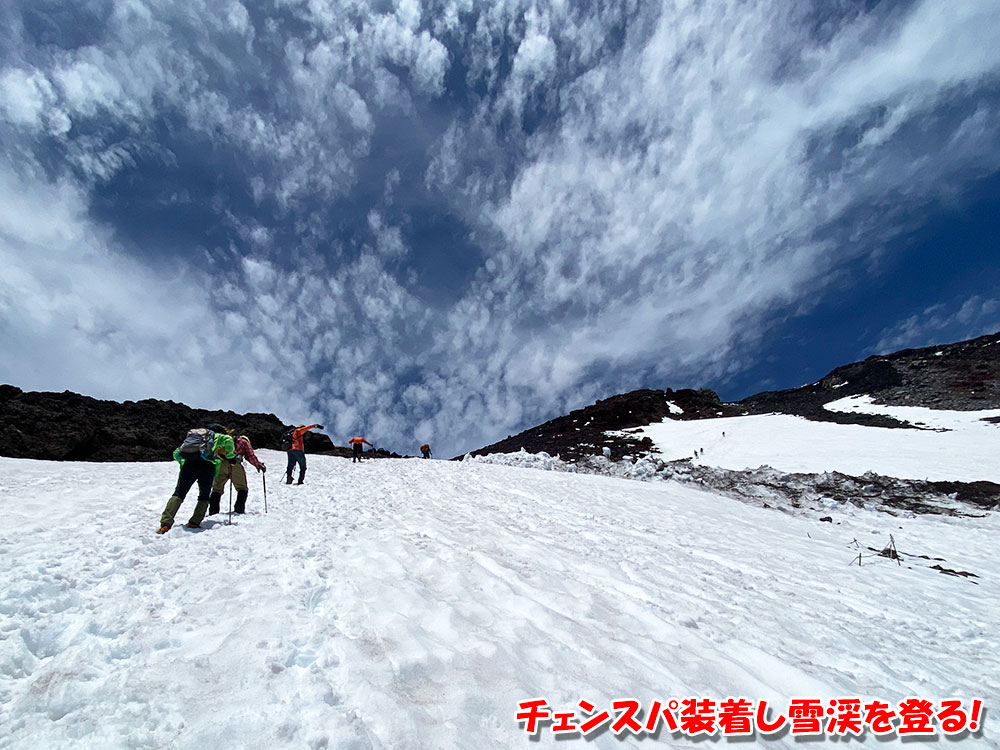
<point x="192" y="525"/>
<point x="213" y="503"/>
<point x="241" y="502"/>
<point x="163" y="530"/>
<point x="302" y="475"/>
<point x="288" y="477"/>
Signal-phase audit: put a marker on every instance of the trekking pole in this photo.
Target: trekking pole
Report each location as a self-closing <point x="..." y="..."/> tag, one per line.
<point x="263" y="478"/>
<point x="230" y="503"/>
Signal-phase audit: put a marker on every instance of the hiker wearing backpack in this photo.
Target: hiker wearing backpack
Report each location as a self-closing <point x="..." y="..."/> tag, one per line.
<point x="231" y="469"/>
<point x="358" y="443"/>
<point x="425" y="449"/>
<point x="198" y="456"/>
<point x="293" y="438"/>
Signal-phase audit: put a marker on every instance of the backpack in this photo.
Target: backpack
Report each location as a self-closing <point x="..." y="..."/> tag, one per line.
<point x="286" y="439"/>
<point x="199" y="440"/>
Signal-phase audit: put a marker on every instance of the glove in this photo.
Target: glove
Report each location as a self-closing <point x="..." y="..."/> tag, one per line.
<point x="320" y="427"/>
<point x="261" y="469"/>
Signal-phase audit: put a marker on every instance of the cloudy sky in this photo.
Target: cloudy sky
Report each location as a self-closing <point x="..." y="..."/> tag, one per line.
<point x="446" y="220"/>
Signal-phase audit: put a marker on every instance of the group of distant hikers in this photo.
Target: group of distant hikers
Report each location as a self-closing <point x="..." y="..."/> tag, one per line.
<point x="211" y="456"/>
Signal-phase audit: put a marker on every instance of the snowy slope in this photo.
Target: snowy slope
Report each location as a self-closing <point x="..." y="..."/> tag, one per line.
<point x="952" y="445"/>
<point x="413" y="604"/>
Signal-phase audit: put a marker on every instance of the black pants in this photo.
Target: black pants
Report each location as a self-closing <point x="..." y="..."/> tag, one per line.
<point x="195" y="469"/>
<point x="296" y="457"/>
<point x="358" y="448"/>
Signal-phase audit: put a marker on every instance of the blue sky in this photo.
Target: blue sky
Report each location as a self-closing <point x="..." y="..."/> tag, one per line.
<point x="447" y="221"/>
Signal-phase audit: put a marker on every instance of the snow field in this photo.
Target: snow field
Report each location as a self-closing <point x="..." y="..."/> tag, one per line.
<point x="412" y="604"/>
<point x="957" y="445"/>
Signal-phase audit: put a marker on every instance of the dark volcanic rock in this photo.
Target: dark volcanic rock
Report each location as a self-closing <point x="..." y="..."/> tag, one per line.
<point x="961" y="376"/>
<point x="583" y="432"/>
<point x="70" y="427"/>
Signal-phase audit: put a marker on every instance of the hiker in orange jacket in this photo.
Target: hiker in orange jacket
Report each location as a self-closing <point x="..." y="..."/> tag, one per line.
<point x="425" y="449"/>
<point x="358" y="443"/>
<point x="297" y="453"/>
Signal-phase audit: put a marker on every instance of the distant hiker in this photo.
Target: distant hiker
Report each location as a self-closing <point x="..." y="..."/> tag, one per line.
<point x="231" y="469"/>
<point x="197" y="457"/>
<point x="425" y="449"/>
<point x="297" y="452"/>
<point x="358" y="443"/>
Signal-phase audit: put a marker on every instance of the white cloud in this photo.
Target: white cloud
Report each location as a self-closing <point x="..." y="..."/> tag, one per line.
<point x="25" y="97"/>
<point x="239" y="19"/>
<point x="87" y="85"/>
<point x="536" y="56"/>
<point x="78" y="314"/>
<point x="645" y="184"/>
<point x="388" y="240"/>
<point x="408" y="14"/>
<point x="677" y="195"/>
<point x="940" y="323"/>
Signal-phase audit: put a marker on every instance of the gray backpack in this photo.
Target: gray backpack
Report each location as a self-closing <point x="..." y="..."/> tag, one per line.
<point x="198" y="440"/>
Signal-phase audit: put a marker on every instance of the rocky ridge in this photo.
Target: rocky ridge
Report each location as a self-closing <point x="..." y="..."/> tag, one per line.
<point x="963" y="376"/>
<point x="69" y="427"/>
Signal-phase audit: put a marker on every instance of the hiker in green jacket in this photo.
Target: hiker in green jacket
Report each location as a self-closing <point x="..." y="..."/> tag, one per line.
<point x="199" y="458"/>
<point x="231" y="469"/>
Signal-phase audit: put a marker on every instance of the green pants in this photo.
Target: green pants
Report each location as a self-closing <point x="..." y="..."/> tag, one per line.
<point x="230" y="471"/>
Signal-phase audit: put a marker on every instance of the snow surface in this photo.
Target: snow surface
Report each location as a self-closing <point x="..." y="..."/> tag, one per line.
<point x="920" y="416"/>
<point x="957" y="445"/>
<point x="413" y="604"/>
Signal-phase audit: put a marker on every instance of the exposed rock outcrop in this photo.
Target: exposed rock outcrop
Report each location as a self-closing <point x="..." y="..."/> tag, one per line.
<point x="69" y="427"/>
<point x="961" y="376"/>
